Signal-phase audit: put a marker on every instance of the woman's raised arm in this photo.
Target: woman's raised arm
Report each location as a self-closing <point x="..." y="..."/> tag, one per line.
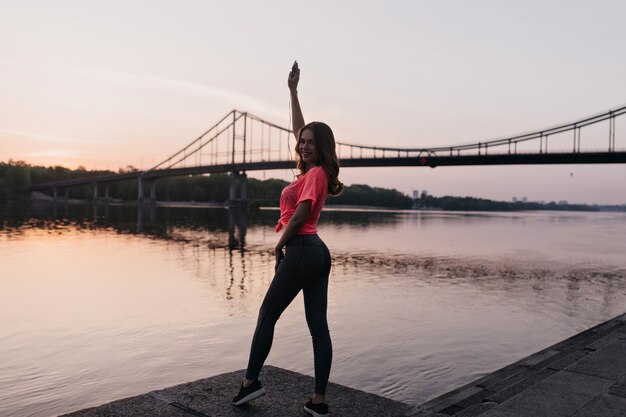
<point x="296" y="111"/>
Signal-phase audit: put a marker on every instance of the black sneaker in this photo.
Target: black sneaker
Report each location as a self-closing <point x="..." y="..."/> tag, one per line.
<point x="316" y="410"/>
<point x="255" y="390"/>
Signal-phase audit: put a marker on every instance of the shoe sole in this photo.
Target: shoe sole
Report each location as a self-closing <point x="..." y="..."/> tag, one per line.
<point x="251" y="396"/>
<point x="313" y="413"/>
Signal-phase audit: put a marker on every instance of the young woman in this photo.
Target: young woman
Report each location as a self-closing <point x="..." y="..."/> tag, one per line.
<point x="305" y="263"/>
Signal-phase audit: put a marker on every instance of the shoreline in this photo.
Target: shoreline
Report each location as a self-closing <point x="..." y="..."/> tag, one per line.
<point x="43" y="199"/>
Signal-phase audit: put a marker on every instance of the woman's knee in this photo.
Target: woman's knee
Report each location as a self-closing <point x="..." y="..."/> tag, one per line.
<point x="318" y="328"/>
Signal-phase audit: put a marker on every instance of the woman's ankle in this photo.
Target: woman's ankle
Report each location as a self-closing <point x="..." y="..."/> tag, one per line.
<point x="318" y="398"/>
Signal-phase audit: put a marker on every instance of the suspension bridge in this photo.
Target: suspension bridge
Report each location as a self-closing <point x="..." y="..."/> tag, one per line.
<point x="242" y="142"/>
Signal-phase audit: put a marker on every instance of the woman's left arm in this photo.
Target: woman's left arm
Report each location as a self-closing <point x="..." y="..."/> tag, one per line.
<point x="295" y="223"/>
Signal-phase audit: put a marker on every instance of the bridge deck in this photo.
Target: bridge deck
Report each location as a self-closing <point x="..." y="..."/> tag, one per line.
<point x="400" y="161"/>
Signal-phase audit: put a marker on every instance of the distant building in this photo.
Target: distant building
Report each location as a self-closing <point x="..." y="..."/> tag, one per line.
<point x="515" y="199"/>
<point x="524" y="200"/>
<point x="424" y="194"/>
<point x="562" y="202"/>
<point x="416" y="194"/>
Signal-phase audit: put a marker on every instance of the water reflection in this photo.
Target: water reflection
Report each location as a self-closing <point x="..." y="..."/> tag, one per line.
<point x="237" y="219"/>
<point x="358" y="240"/>
<point x="164" y="222"/>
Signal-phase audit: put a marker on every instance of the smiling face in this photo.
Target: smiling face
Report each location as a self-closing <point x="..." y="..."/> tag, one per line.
<point x="308" y="150"/>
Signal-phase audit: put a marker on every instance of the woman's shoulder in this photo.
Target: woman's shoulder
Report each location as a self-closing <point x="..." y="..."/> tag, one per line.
<point x="318" y="170"/>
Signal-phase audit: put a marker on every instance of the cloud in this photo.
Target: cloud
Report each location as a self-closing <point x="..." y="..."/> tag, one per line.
<point x="242" y="101"/>
<point x="36" y="136"/>
<point x="56" y="153"/>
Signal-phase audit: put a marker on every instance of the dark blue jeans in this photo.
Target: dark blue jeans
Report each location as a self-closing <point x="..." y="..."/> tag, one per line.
<point x="305" y="267"/>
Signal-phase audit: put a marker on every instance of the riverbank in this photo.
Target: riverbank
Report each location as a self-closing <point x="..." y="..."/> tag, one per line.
<point x="453" y="203"/>
<point x="449" y="204"/>
<point x="582" y="376"/>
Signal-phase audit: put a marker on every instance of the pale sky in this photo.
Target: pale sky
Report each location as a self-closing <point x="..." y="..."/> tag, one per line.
<point x="106" y="84"/>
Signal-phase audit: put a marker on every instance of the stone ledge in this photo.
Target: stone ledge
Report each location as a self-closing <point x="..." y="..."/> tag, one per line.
<point x="562" y="377"/>
<point x="287" y="391"/>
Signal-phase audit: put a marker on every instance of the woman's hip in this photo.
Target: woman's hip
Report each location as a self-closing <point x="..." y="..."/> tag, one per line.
<point x="307" y="253"/>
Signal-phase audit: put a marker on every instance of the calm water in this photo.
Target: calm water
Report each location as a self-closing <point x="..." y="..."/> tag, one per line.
<point x="99" y="305"/>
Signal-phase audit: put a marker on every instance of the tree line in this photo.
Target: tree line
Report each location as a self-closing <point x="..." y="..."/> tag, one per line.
<point x="481" y="204"/>
<point x="17" y="177"/>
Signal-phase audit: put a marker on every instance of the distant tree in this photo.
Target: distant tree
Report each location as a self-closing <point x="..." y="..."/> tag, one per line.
<point x="4" y="192"/>
<point x="364" y="195"/>
<point x="197" y="194"/>
<point x="17" y="179"/>
<point x="128" y="169"/>
<point x="265" y="192"/>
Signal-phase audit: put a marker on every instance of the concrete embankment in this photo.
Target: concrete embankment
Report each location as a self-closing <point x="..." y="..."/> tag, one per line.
<point x="286" y="394"/>
<point x="583" y="376"/>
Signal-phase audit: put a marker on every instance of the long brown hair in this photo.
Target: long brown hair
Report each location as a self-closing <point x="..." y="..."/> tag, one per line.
<point x="326" y="155"/>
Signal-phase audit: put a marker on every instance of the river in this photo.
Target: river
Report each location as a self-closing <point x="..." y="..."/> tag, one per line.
<point x="101" y="303"/>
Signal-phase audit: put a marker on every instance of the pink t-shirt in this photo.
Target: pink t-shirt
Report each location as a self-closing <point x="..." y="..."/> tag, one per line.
<point x="311" y="186"/>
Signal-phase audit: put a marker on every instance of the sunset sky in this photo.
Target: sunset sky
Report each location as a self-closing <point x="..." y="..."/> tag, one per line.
<point x="106" y="84"/>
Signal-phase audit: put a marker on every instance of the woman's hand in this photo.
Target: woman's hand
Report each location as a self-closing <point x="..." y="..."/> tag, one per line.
<point x="296" y="111"/>
<point x="279" y="254"/>
<point x="292" y="80"/>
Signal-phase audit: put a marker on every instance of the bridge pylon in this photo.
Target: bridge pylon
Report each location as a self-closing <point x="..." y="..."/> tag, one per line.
<point x="141" y="184"/>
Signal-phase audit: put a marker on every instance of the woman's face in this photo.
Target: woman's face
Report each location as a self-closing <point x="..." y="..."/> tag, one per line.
<point x="308" y="150"/>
